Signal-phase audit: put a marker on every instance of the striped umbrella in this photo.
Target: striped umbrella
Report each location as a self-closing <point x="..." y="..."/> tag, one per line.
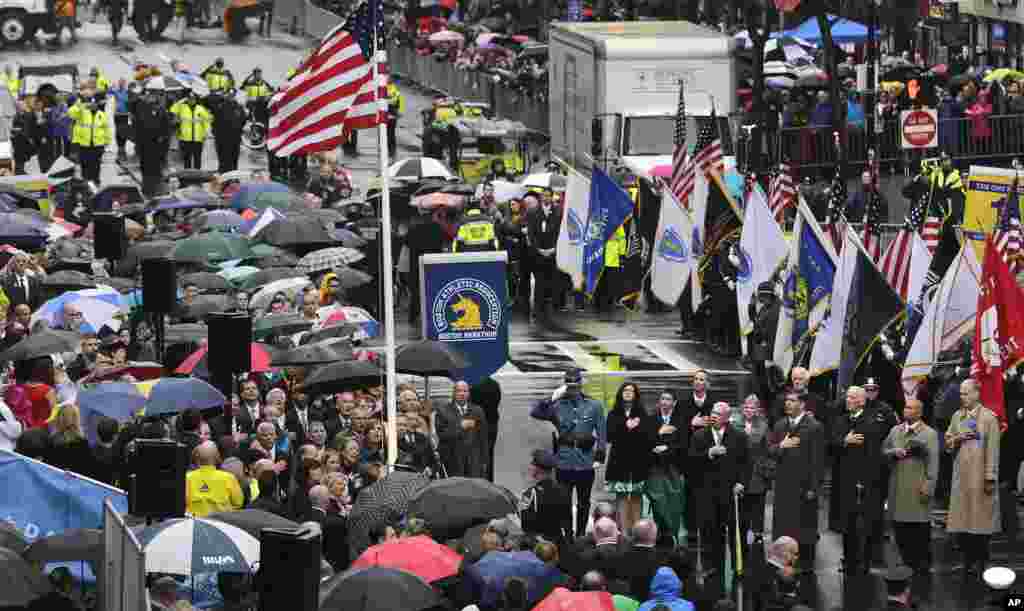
<point x="193" y="546"/>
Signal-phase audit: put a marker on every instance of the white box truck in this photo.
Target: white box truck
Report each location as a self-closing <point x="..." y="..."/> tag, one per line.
<point x="614" y="89"/>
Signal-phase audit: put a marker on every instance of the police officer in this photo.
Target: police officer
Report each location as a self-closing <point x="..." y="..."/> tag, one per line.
<point x="476" y="231"/>
<point x="580" y="439"/>
<point x="545" y="508"/>
<point x="91" y="132"/>
<point x="102" y="82"/>
<point x="218" y="78"/>
<point x="152" y="132"/>
<point x="396" y="108"/>
<point x="257" y="95"/>
<point x="11" y="80"/>
<point x="194" y="122"/>
<point x="228" y="122"/>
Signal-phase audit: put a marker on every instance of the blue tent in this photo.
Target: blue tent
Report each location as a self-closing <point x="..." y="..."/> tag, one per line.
<point x="843" y="31"/>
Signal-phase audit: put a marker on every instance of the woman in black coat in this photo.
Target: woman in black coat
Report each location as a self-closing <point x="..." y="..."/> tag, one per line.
<point x="631" y="435"/>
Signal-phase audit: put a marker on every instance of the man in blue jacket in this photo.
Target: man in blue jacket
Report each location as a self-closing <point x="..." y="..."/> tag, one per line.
<point x="667" y="591"/>
<point x="580" y="440"/>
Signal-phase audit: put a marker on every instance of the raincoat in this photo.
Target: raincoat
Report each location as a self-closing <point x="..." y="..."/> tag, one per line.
<point x="667" y="589"/>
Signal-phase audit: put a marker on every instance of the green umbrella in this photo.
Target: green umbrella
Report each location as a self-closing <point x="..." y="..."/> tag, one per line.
<point x="274" y="199"/>
<point x="261" y="250"/>
<point x="235" y="275"/>
<point x="211" y="247"/>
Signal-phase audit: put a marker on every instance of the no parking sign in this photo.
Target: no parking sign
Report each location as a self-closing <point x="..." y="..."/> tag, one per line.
<point x="919" y="128"/>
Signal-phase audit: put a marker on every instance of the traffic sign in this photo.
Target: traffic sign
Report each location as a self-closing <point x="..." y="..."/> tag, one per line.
<point x="919" y="128"/>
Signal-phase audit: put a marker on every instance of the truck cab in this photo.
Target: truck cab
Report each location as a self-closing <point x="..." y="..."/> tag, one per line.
<point x="21" y="19"/>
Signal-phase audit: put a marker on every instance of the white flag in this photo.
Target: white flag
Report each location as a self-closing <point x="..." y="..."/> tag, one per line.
<point x="828" y="343"/>
<point x="920" y="262"/>
<point x="698" y="211"/>
<point x="762" y="249"/>
<point x="569" y="250"/>
<point x="672" y="258"/>
<point x="948" y="317"/>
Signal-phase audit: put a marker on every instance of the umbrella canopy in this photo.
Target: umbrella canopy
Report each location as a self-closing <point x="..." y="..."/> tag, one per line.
<point x="418" y="168"/>
<point x="139" y="370"/>
<point x="74" y="544"/>
<point x="381" y="503"/>
<point x="1001" y="74"/>
<point x="220" y="219"/>
<point x="164" y="83"/>
<point x="439" y="199"/>
<point x="238" y="273"/>
<point x="20" y="582"/>
<point x="98" y="307"/>
<point x="279" y="200"/>
<point x="421" y="556"/>
<point x="211" y="247"/>
<point x="69" y="279"/>
<point x="560" y="599"/>
<point x="377" y="589"/>
<point x="452" y="505"/>
<point x="349" y="278"/>
<point x="279" y="324"/>
<point x="204" y="305"/>
<point x="314" y="354"/>
<point x="844" y="31"/>
<point x="42" y="343"/>
<point x="329" y="258"/>
<point x="430" y="358"/>
<point x="789" y="49"/>
<point x="489" y="574"/>
<point x="281" y="259"/>
<point x="446" y="36"/>
<point x="11" y="538"/>
<point x="197" y="361"/>
<point x="175" y="395"/>
<point x="342" y="376"/>
<point x="345" y="330"/>
<point x="347" y="238"/>
<point x="117" y="400"/>
<point x="289" y="286"/>
<point x="265" y="277"/>
<point x="186" y="332"/>
<point x="248" y="192"/>
<point x="190" y="546"/>
<point x="206" y="281"/>
<point x="545" y="180"/>
<point x="252" y="521"/>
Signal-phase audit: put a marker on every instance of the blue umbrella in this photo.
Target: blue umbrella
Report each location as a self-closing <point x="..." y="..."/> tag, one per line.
<point x="248" y="192"/>
<point x="117" y="400"/>
<point x="491" y="572"/>
<point x="844" y="31"/>
<point x="221" y="219"/>
<point x="175" y="395"/>
<point x="174" y="202"/>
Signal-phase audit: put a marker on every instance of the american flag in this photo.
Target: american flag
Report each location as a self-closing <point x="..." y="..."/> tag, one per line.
<point x="682" y="173"/>
<point x="834" y="225"/>
<point x="896" y="260"/>
<point x="932" y="230"/>
<point x="782" y="191"/>
<point x="871" y="236"/>
<point x="334" y="90"/>
<point x="708" y="152"/>
<point x="1007" y="236"/>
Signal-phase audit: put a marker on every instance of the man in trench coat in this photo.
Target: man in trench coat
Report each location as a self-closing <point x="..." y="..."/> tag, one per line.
<point x="798" y="445"/>
<point x="462" y="431"/>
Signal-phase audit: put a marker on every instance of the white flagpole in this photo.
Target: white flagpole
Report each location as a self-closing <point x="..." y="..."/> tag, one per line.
<point x="380" y="55"/>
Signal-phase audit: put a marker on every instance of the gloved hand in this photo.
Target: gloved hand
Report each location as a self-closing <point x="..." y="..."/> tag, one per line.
<point x="738" y="489"/>
<point x="559" y="393"/>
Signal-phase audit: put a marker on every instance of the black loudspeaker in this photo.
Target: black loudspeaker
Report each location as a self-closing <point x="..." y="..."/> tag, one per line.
<point x="230" y="338"/>
<point x="289" y="574"/>
<point x="159" y="286"/>
<point x="109" y="238"/>
<point x="157" y="486"/>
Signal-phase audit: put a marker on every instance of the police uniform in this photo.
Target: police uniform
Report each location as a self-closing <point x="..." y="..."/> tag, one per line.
<point x="396" y="108"/>
<point x="545" y="508"/>
<point x="152" y="123"/>
<point x="218" y="79"/>
<point x="476" y="233"/>
<point x="194" y="122"/>
<point x="91" y="132"/>
<point x="257" y="93"/>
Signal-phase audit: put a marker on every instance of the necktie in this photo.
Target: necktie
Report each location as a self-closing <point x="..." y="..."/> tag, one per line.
<point x="24" y="286"/>
<point x="302" y="418"/>
<point x="749" y="428"/>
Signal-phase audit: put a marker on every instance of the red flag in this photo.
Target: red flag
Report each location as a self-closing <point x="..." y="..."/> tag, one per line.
<point x="998" y="329"/>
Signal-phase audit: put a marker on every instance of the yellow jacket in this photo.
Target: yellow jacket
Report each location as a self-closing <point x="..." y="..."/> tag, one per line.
<point x="208" y="490"/>
<point x="13" y="85"/>
<point x="90" y="128"/>
<point x="615" y="248"/>
<point x="395" y="99"/>
<point x="476" y="233"/>
<point x="102" y="84"/>
<point x="256" y="89"/>
<point x="947" y="180"/>
<point x="194" y="122"/>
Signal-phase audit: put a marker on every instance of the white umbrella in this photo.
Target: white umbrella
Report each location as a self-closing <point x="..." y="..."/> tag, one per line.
<point x="420" y="167"/>
<point x="545" y="180"/>
<point x="289" y="286"/>
<point x="446" y="36"/>
<point x="505" y="190"/>
<point x="190" y="547"/>
<point x="789" y="48"/>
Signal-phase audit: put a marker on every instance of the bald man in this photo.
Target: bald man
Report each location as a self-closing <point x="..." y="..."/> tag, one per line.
<point x="606" y="555"/>
<point x="208" y="489"/>
<point x="814" y="403"/>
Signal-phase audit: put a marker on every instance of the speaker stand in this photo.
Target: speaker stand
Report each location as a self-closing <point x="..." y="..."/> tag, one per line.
<point x="159" y="324"/>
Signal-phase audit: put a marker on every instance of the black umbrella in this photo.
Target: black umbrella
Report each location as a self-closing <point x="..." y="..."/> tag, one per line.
<point x="68" y="279"/>
<point x="252" y="521"/>
<point x="900" y="73"/>
<point x="121" y="285"/>
<point x="279" y="324"/>
<point x="206" y="281"/>
<point x="187" y="332"/>
<point x="342" y="376"/>
<point x="75" y="544"/>
<point x="345" y="330"/>
<point x="957" y="82"/>
<point x="349" y="278"/>
<point x="295" y="231"/>
<point x="20" y="582"/>
<point x="204" y="305"/>
<point x="377" y="589"/>
<point x="284" y="259"/>
<point x="266" y="276"/>
<point x="314" y="354"/>
<point x="347" y="238"/>
<point x="11" y="537"/>
<point x="430" y="358"/>
<point x="42" y="343"/>
<point x="452" y="505"/>
<point x="458" y="188"/>
<point x="381" y="503"/>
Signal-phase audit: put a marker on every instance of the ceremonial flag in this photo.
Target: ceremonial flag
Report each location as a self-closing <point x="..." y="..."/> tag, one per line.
<point x="673" y="258"/>
<point x="998" y="329"/>
<point x="782" y="191"/>
<point x="834" y="223"/>
<point x="682" y="176"/>
<point x="808" y="287"/>
<point x="897" y="260"/>
<point x="333" y="92"/>
<point x="871" y="307"/>
<point x="610" y="207"/>
<point x="947" y="318"/>
<point x="871" y="237"/>
<point x="828" y="342"/>
<point x="569" y="249"/>
<point x="698" y="207"/>
<point x="632" y="266"/>
<point x="933" y="223"/>
<point x="1007" y="236"/>
<point x="762" y="249"/>
<point x="708" y="152"/>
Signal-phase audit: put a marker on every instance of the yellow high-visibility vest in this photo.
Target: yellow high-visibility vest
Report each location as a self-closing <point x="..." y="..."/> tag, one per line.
<point x="193" y="122"/>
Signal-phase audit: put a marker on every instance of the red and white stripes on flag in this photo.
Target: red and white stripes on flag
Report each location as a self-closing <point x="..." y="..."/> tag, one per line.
<point x="931" y="232"/>
<point x="682" y="185"/>
<point x="1008" y="242"/>
<point x="782" y="191"/>
<point x="896" y="261"/>
<point x="332" y="93"/>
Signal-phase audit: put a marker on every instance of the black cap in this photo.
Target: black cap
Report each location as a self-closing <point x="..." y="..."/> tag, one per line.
<point x="897" y="579"/>
<point x="376" y="458"/>
<point x="544" y="459"/>
<point x="573" y="376"/>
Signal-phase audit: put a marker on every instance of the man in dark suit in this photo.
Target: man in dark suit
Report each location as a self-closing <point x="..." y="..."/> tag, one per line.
<point x="641" y="561"/>
<point x="298" y="417"/>
<point x="546" y="507"/>
<point x="462" y="434"/>
<point x="696" y="409"/>
<point x="22" y="287"/>
<point x="721" y="471"/>
<point x="487" y="394"/>
<point x="606" y="555"/>
<point x="542" y="227"/>
<point x="815" y="403"/>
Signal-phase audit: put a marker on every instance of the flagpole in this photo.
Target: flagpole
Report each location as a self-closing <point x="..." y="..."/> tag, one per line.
<point x="386" y="264"/>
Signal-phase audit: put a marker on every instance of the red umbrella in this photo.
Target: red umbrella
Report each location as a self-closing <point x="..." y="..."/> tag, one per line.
<point x="141" y="371"/>
<point x="560" y="599"/>
<point x="196" y="362"/>
<point x="421" y="556"/>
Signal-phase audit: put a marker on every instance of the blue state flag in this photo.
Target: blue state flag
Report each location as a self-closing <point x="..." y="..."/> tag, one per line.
<point x="48" y="500"/>
<point x="610" y="208"/>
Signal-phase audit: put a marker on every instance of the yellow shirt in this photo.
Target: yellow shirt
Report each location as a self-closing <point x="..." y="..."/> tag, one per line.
<point x="208" y="489"/>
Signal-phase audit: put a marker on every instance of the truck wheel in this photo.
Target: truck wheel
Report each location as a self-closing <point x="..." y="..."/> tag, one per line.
<point x="13" y="28"/>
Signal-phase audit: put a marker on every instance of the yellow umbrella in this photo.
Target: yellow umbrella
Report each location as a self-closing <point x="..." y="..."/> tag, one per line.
<point x="1000" y="74"/>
